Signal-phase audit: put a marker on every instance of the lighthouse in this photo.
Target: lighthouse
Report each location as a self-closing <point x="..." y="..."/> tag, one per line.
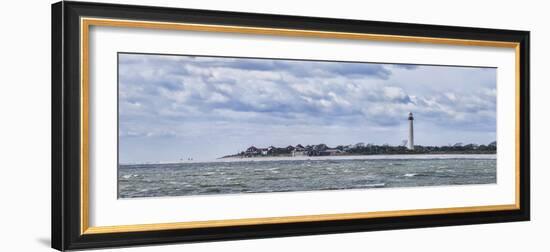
<point x="410" y="143"/>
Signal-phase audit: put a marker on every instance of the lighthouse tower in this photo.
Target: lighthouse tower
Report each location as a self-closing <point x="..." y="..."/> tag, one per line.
<point x="410" y="143"/>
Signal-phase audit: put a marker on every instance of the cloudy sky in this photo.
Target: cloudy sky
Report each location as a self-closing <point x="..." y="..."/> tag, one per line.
<point x="173" y="107"/>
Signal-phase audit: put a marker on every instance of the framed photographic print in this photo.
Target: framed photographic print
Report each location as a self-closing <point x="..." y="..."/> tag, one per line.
<point x="182" y="125"/>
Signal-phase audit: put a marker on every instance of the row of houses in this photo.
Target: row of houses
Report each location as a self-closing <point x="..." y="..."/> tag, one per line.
<point x="365" y="149"/>
<point x="294" y="151"/>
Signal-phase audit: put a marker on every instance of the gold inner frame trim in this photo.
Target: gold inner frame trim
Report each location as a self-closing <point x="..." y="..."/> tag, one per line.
<point x="289" y="219"/>
<point x="86" y="23"/>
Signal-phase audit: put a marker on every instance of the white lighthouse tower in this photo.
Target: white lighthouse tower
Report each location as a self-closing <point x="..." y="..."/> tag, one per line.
<point x="410" y="144"/>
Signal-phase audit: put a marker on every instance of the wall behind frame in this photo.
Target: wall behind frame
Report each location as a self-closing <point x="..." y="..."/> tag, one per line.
<point x="25" y="125"/>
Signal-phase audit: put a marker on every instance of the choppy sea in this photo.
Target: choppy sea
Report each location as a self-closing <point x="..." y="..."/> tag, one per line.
<point x="286" y="175"/>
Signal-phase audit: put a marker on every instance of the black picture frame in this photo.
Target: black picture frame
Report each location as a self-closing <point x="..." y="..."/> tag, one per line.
<point x="66" y="125"/>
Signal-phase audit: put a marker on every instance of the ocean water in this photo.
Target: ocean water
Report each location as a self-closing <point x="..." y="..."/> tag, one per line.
<point x="185" y="179"/>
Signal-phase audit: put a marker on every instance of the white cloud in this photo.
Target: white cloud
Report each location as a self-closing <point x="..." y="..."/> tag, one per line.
<point x="205" y="97"/>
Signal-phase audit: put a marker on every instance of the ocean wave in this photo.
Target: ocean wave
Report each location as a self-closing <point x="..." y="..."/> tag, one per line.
<point x="274" y="178"/>
<point x="395" y="164"/>
<point x="128" y="176"/>
<point x="375" y="185"/>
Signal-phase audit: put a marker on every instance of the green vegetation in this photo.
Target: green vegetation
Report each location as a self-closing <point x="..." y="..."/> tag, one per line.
<point x="362" y="149"/>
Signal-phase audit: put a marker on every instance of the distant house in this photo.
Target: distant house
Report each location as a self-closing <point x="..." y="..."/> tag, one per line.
<point x="299" y="150"/>
<point x="252" y="151"/>
<point x="295" y="153"/>
<point x="320" y="147"/>
<point x="330" y="152"/>
<point x="471" y="146"/>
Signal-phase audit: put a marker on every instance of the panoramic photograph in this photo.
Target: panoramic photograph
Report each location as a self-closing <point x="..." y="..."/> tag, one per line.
<point x="207" y="125"/>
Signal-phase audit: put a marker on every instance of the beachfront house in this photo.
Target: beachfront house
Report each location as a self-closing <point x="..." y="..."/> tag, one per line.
<point x="252" y="151"/>
<point x="330" y="152"/>
<point x="299" y="150"/>
<point x="290" y="148"/>
<point x="320" y="147"/>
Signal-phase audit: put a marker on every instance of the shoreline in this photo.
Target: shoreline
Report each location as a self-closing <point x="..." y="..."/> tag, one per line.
<point x="346" y="157"/>
<point x="362" y="157"/>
